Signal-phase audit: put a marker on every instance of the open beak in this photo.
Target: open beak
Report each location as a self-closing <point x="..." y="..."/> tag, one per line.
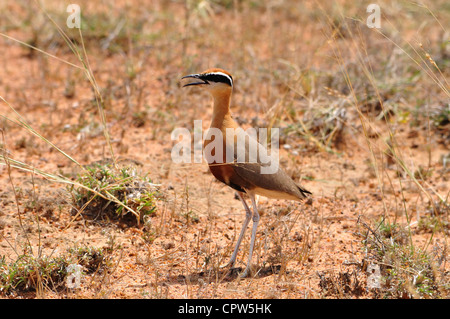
<point x="195" y="76"/>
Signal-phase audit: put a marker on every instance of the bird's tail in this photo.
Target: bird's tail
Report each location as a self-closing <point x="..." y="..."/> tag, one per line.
<point x="304" y="191"/>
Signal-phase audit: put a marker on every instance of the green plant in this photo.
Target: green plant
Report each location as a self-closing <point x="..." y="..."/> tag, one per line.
<point x="36" y="273"/>
<point x="91" y="258"/>
<point x="441" y="116"/>
<point x="32" y="273"/>
<point x="407" y="271"/>
<point x="124" y="184"/>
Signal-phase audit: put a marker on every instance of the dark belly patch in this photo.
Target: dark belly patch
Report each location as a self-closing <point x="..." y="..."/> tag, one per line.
<point x="225" y="174"/>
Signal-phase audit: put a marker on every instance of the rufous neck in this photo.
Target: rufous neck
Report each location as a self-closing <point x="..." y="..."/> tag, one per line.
<point x="221" y="109"/>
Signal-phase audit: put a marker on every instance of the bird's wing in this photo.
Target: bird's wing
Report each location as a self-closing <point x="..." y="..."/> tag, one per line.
<point x="256" y="167"/>
<point x="276" y="185"/>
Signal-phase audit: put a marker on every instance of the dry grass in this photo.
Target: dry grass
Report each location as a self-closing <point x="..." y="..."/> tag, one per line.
<point x="364" y="117"/>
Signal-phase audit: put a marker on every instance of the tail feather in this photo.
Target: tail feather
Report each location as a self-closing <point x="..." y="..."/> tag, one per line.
<point x="304" y="191"/>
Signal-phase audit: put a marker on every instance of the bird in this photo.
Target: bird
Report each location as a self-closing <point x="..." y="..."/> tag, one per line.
<point x="244" y="176"/>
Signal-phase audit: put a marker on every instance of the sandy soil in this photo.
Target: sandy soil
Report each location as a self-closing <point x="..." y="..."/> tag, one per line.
<point x="302" y="249"/>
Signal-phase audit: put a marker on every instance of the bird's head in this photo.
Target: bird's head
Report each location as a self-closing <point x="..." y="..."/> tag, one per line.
<point x="216" y="81"/>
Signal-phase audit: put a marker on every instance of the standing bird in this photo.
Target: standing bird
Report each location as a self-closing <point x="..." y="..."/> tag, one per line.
<point x="244" y="175"/>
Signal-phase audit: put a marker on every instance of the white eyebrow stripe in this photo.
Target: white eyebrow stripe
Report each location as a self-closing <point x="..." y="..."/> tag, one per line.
<point x="223" y="74"/>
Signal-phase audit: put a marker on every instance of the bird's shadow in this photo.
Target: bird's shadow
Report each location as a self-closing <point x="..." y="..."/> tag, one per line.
<point x="220" y="275"/>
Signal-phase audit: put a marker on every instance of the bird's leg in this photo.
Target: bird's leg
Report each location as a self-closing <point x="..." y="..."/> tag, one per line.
<point x="248" y="215"/>
<point x="255" y="218"/>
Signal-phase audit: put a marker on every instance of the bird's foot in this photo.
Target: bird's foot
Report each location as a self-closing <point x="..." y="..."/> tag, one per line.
<point x="247" y="271"/>
<point x="229" y="264"/>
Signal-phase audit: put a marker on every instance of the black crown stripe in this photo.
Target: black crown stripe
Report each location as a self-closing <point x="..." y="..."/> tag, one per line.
<point x="214" y="77"/>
